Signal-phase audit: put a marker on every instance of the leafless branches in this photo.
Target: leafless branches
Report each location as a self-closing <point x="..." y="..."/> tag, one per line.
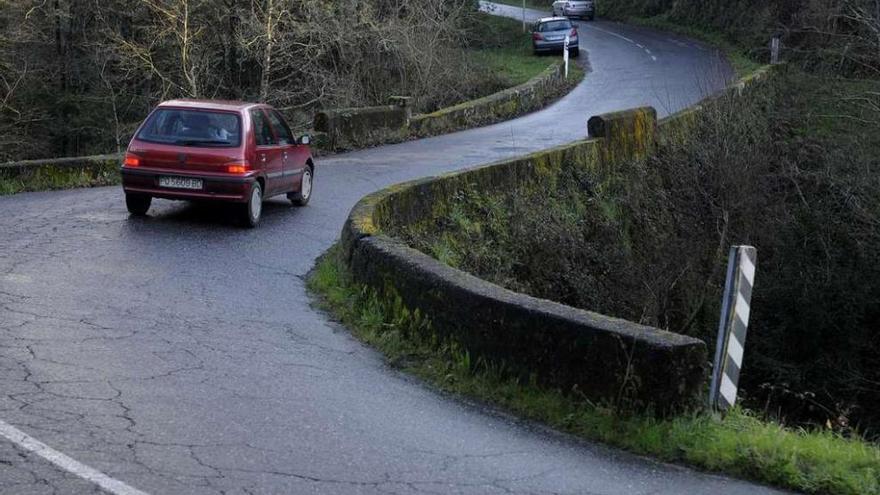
<point x="109" y="61"/>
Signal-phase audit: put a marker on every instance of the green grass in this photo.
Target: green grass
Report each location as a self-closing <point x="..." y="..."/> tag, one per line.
<point x="512" y="65"/>
<point x="506" y="50"/>
<point x="46" y="178"/>
<point x="738" y="444"/>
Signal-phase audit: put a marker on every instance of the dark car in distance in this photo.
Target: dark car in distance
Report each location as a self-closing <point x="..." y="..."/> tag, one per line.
<point x="211" y="150"/>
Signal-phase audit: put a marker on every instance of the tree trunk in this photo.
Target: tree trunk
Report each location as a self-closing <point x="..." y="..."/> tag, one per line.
<point x="267" y="50"/>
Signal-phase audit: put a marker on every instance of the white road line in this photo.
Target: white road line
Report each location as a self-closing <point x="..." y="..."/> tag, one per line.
<point x="615" y="34"/>
<point x="64" y="462"/>
<point x="647" y="50"/>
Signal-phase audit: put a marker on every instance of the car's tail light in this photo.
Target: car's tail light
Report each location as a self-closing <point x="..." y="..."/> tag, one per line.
<point x="238" y="167"/>
<point x="573" y="33"/>
<point x="132" y="160"/>
<point x="537" y="36"/>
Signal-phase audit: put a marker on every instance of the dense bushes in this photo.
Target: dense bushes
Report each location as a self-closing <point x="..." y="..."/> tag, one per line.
<point x="787" y="169"/>
<point x="76" y="76"/>
<point x="837" y="36"/>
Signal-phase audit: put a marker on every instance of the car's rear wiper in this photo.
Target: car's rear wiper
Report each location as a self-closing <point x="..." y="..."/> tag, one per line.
<point x="195" y="142"/>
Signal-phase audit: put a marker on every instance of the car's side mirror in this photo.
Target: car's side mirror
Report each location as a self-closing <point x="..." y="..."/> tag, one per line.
<point x="305" y="139"/>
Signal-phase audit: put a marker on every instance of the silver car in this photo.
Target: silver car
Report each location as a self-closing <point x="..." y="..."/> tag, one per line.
<point x="585" y="9"/>
<point x="548" y="35"/>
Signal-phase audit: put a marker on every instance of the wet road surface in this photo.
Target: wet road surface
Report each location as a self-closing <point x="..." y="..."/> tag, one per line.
<point x="180" y="354"/>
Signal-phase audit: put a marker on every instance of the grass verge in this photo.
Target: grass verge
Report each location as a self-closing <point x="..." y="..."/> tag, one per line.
<point x="48" y="178"/>
<point x="737" y="444"/>
<point x="506" y="51"/>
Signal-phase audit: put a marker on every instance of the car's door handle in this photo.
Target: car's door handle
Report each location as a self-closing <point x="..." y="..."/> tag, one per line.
<point x="285" y="155"/>
<point x="263" y="158"/>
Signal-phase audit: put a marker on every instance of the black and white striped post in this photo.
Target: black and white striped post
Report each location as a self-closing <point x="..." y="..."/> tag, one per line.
<point x="733" y="326"/>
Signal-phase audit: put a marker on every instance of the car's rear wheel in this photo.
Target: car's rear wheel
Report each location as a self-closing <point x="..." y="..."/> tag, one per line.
<point x="302" y="197"/>
<point x="574" y="52"/>
<point x="253" y="209"/>
<point x="138" y="204"/>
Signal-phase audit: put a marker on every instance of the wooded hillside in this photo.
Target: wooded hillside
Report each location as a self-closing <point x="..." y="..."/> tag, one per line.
<point x="840" y="36"/>
<point x="76" y="76"/>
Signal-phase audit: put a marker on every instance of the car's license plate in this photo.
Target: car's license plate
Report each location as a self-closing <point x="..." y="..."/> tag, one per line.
<point x="180" y="182"/>
<point x="554" y="38"/>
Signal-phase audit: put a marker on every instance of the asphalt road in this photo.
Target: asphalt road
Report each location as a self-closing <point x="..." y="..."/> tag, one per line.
<point x="180" y="354"/>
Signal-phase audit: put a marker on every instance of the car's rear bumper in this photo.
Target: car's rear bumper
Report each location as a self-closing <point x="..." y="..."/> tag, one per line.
<point x="234" y="188"/>
<point x="584" y="12"/>
<point x="552" y="46"/>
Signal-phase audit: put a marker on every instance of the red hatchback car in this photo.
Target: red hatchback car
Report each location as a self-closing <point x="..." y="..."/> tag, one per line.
<point x="216" y="150"/>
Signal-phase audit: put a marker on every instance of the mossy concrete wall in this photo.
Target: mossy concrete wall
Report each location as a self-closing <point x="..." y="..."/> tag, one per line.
<point x="519" y="100"/>
<point x="673" y="126"/>
<point x="351" y="128"/>
<point x="59" y="173"/>
<point x="606" y="359"/>
<point x="354" y="128"/>
<point x="603" y="358"/>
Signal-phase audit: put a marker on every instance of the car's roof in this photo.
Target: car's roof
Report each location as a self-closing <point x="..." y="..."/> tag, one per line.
<point x="210" y="104"/>
<point x="548" y="19"/>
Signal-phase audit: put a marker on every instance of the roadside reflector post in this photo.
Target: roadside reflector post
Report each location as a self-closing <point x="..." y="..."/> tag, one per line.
<point x="774" y="50"/>
<point x="524" y="15"/>
<point x="565" y="53"/>
<point x="734" y="323"/>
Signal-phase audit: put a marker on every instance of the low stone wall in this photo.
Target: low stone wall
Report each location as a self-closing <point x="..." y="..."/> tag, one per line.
<point x="351" y="128"/>
<point x="354" y="128"/>
<point x="512" y="102"/>
<point x="679" y="122"/>
<point x="58" y="173"/>
<point x="334" y="130"/>
<point x="606" y="359"/>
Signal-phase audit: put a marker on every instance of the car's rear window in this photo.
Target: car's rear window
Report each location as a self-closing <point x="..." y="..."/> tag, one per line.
<point x="192" y="128"/>
<point x="553" y="26"/>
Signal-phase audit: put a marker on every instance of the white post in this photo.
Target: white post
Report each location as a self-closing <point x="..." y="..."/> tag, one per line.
<point x="733" y="326"/>
<point x="524" y="15"/>
<point x="565" y="54"/>
<point x="774" y="50"/>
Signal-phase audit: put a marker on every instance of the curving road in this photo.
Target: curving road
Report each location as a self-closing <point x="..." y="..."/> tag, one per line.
<point x="180" y="354"/>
